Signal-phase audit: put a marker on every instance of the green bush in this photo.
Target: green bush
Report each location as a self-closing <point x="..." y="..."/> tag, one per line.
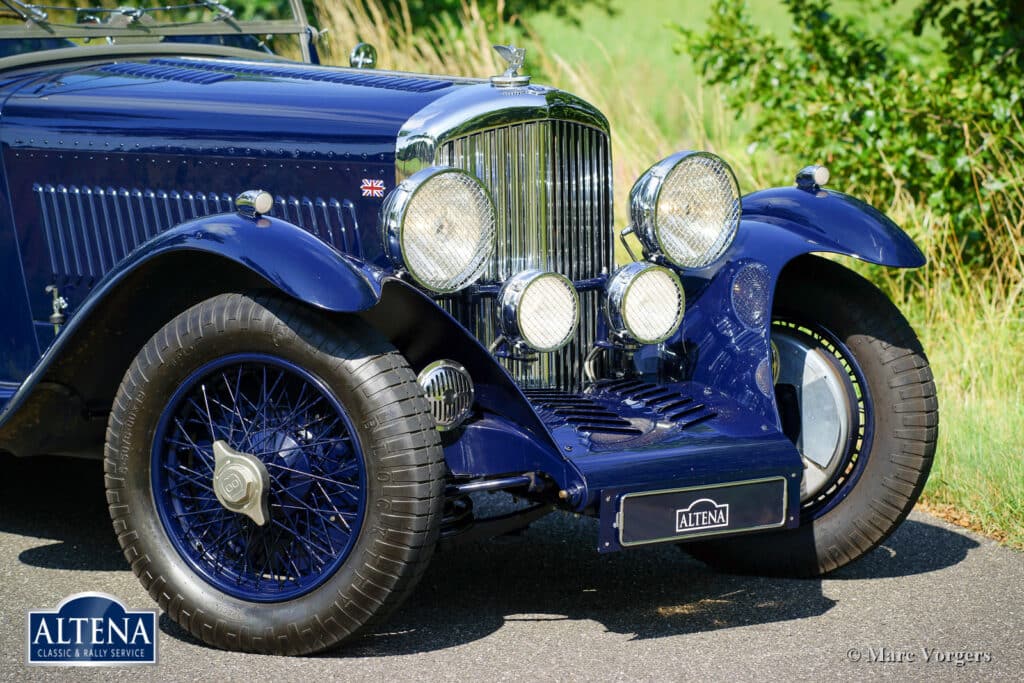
<point x="885" y="116"/>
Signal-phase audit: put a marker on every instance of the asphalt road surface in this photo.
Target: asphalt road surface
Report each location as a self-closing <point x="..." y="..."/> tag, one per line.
<point x="545" y="605"/>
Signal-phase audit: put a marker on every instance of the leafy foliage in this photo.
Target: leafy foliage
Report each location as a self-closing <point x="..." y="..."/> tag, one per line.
<point x="887" y="119"/>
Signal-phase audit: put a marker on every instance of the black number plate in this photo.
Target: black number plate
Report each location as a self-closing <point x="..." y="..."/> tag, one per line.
<point x="681" y="514"/>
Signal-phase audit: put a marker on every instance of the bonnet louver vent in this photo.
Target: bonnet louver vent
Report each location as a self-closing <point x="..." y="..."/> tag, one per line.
<point x="368" y="80"/>
<point x="664" y="401"/>
<point x="582" y="413"/>
<point x="621" y="410"/>
<point x="165" y="73"/>
<point x="88" y="230"/>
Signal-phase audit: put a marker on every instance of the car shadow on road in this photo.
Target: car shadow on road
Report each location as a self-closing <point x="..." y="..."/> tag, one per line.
<point x="550" y="572"/>
<point x="61" y="500"/>
<point x="554" y="572"/>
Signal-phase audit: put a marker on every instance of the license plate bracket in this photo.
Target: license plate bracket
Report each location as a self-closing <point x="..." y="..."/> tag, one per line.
<point x="700" y="511"/>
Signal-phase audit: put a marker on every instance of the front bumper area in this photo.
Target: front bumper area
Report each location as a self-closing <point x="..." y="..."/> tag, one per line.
<point x="623" y="437"/>
<point x="630" y="436"/>
<point x="616" y="436"/>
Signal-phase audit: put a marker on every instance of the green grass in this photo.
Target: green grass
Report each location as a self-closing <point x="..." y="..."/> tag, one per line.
<point x="973" y="341"/>
<point x="979" y="468"/>
<point x="633" y="50"/>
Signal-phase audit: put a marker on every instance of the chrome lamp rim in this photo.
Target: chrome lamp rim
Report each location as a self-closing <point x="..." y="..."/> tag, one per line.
<point x="394" y="211"/>
<point x="456" y="419"/>
<point x="617" y="291"/>
<point x="644" y="199"/>
<point x="510" y="310"/>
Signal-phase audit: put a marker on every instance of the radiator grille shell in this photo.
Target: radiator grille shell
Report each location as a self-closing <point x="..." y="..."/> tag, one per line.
<point x="551" y="181"/>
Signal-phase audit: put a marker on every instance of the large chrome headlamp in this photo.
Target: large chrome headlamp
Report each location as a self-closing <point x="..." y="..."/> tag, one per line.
<point x="539" y="309"/>
<point x="645" y="302"/>
<point x="686" y="207"/>
<point x="439" y="225"/>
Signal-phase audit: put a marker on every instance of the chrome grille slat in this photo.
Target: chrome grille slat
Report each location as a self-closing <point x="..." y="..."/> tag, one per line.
<point x="551" y="185"/>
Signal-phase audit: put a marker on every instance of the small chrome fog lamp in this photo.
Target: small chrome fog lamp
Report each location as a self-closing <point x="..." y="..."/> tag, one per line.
<point x="645" y="302"/>
<point x="686" y="207"/>
<point x="539" y="309"/>
<point x="439" y="225"/>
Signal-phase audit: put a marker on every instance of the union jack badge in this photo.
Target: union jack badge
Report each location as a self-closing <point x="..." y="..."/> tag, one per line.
<point x="372" y="188"/>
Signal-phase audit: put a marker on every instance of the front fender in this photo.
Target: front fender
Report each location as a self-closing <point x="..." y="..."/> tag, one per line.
<point x="509" y="437"/>
<point x="159" y="280"/>
<point x="822" y="221"/>
<point x="724" y="340"/>
<point x="74" y="382"/>
<point x="286" y="256"/>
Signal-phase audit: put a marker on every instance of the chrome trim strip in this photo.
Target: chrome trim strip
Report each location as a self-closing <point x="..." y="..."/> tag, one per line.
<point x="478" y="107"/>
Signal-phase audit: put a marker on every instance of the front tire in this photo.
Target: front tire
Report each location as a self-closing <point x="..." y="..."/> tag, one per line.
<point x="333" y="514"/>
<point x="872" y="400"/>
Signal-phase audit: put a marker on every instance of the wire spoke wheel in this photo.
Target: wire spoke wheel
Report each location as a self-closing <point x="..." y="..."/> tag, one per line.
<point x="274" y="475"/>
<point x="281" y="415"/>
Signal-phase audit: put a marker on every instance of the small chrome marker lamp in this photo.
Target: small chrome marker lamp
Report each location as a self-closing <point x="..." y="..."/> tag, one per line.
<point x="645" y="303"/>
<point x="539" y="310"/>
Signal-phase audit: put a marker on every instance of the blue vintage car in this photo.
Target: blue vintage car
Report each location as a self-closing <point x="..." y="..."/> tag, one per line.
<point x="306" y="313"/>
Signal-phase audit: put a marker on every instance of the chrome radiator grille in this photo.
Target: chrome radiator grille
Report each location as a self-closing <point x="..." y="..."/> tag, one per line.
<point x="552" y="185"/>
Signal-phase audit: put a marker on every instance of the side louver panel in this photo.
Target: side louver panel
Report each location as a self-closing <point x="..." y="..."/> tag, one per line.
<point x="88" y="230"/>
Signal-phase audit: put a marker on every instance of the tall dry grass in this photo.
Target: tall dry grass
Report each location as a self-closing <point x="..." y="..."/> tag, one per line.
<point x="970" y="319"/>
<point x="463" y="47"/>
<point x="452" y="48"/>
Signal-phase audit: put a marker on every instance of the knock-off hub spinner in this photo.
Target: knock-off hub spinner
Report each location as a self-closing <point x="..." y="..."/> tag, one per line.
<point x="241" y="482"/>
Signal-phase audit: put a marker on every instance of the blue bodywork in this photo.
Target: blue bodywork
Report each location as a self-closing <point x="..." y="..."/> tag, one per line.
<point x="91" y="149"/>
<point x="88" y="132"/>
